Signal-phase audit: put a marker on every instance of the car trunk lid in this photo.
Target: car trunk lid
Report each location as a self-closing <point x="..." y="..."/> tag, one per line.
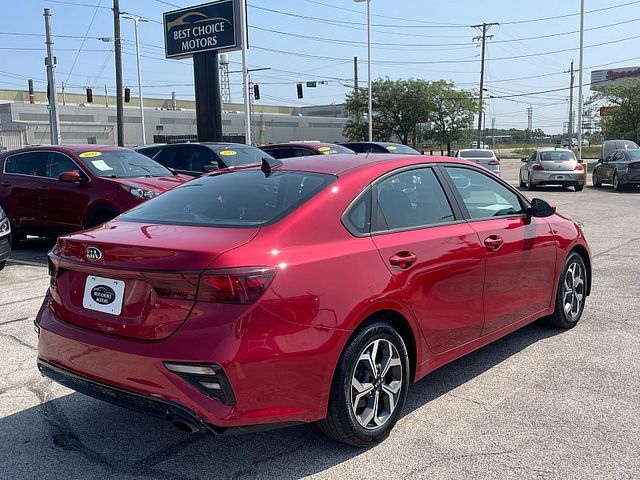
<point x="114" y="278"/>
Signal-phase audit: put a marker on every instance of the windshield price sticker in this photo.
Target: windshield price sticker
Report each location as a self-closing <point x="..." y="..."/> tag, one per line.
<point x="90" y="154"/>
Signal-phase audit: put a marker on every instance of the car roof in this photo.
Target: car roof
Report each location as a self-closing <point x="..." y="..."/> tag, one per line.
<point x="547" y="149"/>
<point x="314" y="145"/>
<point x="475" y="150"/>
<point x="75" y="148"/>
<point x="344" y="162"/>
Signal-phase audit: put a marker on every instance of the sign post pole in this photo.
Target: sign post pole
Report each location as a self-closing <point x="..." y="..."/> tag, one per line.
<point x="207" y="88"/>
<point x="203" y="32"/>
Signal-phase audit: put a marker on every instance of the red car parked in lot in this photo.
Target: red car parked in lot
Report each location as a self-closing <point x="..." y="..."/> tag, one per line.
<point x="49" y="191"/>
<point x="311" y="291"/>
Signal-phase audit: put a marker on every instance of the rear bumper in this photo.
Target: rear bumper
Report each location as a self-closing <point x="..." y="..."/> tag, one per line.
<point x="285" y="380"/>
<point x="557" y="178"/>
<point x="629" y="177"/>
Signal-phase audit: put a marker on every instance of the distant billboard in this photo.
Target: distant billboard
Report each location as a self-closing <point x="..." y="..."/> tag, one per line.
<point x="213" y="26"/>
<point x="613" y="76"/>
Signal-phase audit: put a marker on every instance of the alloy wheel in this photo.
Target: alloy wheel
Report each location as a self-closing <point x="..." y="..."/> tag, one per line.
<point x="376" y="384"/>
<point x="573" y="291"/>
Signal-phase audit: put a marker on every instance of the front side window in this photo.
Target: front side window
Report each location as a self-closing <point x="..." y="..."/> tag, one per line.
<point x="235" y="199"/>
<point x="237" y="155"/>
<point x="30" y="163"/>
<point x="122" y="164"/>
<point x="484" y="196"/>
<point x="173" y="157"/>
<point x="199" y="158"/>
<point x="59" y="163"/>
<point x="411" y="199"/>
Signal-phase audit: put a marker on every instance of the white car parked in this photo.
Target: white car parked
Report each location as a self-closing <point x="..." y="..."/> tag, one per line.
<point x="485" y="158"/>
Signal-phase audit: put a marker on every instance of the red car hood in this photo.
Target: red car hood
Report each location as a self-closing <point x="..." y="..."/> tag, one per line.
<point x="158" y="184"/>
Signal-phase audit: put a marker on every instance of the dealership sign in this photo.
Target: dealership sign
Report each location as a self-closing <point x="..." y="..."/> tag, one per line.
<point x="210" y="27"/>
<point x="614" y="76"/>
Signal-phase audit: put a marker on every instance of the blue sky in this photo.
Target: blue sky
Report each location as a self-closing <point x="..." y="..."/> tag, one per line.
<point x="428" y="39"/>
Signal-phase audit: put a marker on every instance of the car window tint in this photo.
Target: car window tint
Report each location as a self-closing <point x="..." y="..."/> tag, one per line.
<point x="233" y="199"/>
<point x="199" y="157"/>
<point x="30" y="163"/>
<point x="484" y="196"/>
<point x="279" y="152"/>
<point x="359" y="215"/>
<point x="411" y="199"/>
<point x="173" y="158"/>
<point x="556" y="155"/>
<point x="59" y="163"/>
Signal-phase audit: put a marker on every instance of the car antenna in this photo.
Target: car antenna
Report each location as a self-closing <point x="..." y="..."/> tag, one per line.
<point x="268" y="165"/>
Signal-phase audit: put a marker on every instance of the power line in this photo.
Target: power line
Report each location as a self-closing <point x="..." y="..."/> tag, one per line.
<point x="86" y="34"/>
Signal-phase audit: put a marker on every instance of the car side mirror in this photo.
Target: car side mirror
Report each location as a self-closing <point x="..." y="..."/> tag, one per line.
<point x="210" y="168"/>
<point x="524" y="160"/>
<point x="172" y="170"/>
<point x="70" y="177"/>
<point x="540" y="208"/>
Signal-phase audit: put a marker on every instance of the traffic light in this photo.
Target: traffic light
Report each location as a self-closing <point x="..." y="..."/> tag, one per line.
<point x="127" y="94"/>
<point x="300" y="92"/>
<point x="89" y="95"/>
<point x="256" y="92"/>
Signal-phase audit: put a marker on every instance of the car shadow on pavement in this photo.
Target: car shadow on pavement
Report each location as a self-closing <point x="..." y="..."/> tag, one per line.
<point x="32" y="250"/>
<point x="75" y="433"/>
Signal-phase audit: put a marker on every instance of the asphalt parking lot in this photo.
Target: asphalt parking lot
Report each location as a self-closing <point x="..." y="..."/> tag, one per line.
<point x="539" y="403"/>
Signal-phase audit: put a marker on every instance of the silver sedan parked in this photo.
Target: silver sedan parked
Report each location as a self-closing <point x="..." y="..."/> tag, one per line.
<point x="552" y="166"/>
<point x="485" y="158"/>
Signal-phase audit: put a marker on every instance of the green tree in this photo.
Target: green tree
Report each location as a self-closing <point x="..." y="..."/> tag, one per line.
<point x="398" y="106"/>
<point x="624" y="122"/>
<point x="451" y="113"/>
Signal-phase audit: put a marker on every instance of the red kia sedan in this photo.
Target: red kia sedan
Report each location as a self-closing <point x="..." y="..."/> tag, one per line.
<point x="317" y="290"/>
<point x="53" y="190"/>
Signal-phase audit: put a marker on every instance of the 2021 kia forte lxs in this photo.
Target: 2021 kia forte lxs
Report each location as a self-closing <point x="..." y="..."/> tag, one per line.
<point x="312" y="291"/>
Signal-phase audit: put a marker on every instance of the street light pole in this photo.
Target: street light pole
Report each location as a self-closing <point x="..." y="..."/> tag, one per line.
<point x="370" y="99"/>
<point x="137" y="20"/>
<point x="580" y="67"/>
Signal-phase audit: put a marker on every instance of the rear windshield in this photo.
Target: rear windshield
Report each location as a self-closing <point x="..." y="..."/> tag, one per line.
<point x="233" y="199"/>
<point x="122" y="164"/>
<point x="236" y="155"/>
<point x="635" y="154"/>
<point x="399" y="148"/>
<point x="557" y="155"/>
<point x="476" y="154"/>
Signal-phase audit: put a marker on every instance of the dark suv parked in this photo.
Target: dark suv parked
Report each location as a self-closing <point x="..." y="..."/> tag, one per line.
<point x="194" y="159"/>
<point x="49" y="191"/>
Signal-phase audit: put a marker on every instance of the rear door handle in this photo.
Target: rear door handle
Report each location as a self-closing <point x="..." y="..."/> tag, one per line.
<point x="493" y="242"/>
<point x="403" y="259"/>
<point x="5" y="184"/>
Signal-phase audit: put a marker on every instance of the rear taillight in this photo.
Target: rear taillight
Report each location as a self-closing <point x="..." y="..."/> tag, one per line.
<point x="233" y="285"/>
<point x="633" y="165"/>
<point x="181" y="286"/>
<point x="494" y="162"/>
<point x="579" y="167"/>
<point x="537" y="167"/>
<point x="54" y="271"/>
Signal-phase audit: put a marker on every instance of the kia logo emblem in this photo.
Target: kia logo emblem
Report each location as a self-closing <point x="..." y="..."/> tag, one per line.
<point x="92" y="253"/>
<point x="103" y="295"/>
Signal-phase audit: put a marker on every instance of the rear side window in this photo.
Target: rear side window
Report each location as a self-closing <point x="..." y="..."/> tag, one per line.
<point x="30" y="163"/>
<point x="236" y="155"/>
<point x="411" y="199"/>
<point x="476" y="154"/>
<point x="234" y="199"/>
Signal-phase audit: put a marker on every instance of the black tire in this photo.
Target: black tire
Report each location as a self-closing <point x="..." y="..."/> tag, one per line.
<point x="578" y="188"/>
<point x="530" y="186"/>
<point x="15" y="239"/>
<point x="3" y="264"/>
<point x="522" y="184"/>
<point x="560" y="317"/>
<point x="617" y="186"/>
<point x="343" y="424"/>
<point x="596" y="181"/>
<point x="100" y="218"/>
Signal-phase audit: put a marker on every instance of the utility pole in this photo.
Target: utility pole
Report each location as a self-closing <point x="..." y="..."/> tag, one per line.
<point x="106" y="97"/>
<point x="530" y="118"/>
<point x="355" y="73"/>
<point x="484" y="28"/>
<point x="50" y="62"/>
<point x="63" y="102"/>
<point x="117" y="46"/>
<point x="570" y="125"/>
<point x="580" y="69"/>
